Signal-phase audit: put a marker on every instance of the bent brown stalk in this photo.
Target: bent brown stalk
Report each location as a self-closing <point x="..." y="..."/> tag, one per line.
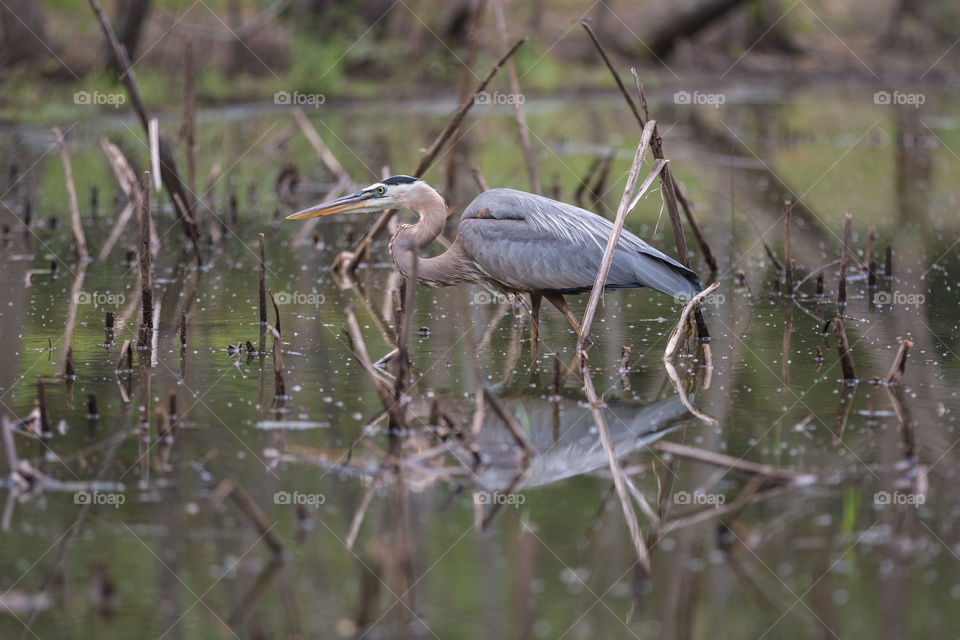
<point x="627" y="202"/>
<point x="79" y="241"/>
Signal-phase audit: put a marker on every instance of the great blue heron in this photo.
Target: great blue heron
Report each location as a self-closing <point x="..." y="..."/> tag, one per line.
<point x="515" y="242"/>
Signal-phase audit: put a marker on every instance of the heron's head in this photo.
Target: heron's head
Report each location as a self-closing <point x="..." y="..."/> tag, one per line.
<point x="397" y="192"/>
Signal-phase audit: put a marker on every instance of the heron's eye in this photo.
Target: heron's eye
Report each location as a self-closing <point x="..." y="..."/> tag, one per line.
<point x="381" y="191"/>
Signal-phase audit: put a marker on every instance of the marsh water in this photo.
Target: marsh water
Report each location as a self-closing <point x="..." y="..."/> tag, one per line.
<point x="867" y="549"/>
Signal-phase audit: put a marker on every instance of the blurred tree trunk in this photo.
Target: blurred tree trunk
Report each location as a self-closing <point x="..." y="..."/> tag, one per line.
<point x="914" y="164"/>
<point x="129" y="19"/>
<point x="22" y="31"/>
<point x="663" y="27"/>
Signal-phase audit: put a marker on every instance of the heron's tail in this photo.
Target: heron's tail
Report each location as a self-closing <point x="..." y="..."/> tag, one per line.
<point x="667" y="276"/>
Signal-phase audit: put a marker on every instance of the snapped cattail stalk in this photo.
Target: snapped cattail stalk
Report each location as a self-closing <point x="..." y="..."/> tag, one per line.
<point x="843" y="348"/>
<point x="842" y="286"/>
<point x="70" y="372"/>
<point x="146" y="267"/>
<point x="42" y="407"/>
<point x="79" y="241"/>
<point x="183" y="329"/>
<point x="888" y="263"/>
<point x="126" y="353"/>
<point x="787" y="262"/>
<point x="899" y="363"/>
<point x="262" y="280"/>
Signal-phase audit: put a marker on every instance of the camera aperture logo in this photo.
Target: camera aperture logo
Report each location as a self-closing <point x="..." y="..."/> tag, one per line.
<point x="486" y="97"/>
<point x="883" y="498"/>
<point x="297" y="497"/>
<point x="100" y="298"/>
<point x="699" y="498"/>
<point x="298" y="298"/>
<point x="705" y="99"/>
<point x="898" y="298"/>
<point x="497" y="497"/>
<point x="712" y="299"/>
<point x="98" y="498"/>
<point x="97" y="98"/>
<point x="487" y="297"/>
<point x="896" y="97"/>
<point x="298" y="98"/>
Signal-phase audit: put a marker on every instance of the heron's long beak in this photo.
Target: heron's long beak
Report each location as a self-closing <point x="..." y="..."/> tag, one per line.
<point x="340" y="205"/>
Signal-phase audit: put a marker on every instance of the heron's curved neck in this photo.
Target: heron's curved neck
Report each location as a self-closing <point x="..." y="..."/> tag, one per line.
<point x="433" y="213"/>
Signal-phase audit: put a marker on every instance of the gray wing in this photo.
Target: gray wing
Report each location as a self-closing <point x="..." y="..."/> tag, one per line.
<point x="534" y="243"/>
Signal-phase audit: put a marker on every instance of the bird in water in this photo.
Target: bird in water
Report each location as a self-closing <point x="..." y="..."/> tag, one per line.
<point x="514" y="242"/>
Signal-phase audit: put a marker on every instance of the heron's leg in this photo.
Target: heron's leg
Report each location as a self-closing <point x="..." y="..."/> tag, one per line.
<point x="535" y="300"/>
<point x="557" y="300"/>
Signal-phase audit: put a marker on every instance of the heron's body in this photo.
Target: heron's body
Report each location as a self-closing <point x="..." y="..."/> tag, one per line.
<point x="516" y="242"/>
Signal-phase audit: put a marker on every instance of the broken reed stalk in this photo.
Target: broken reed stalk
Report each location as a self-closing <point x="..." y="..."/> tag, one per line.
<point x="146" y="268"/>
<point x="868" y="248"/>
<point x="401" y="362"/>
<point x="42" y="406"/>
<point x="320" y="148"/>
<point x="629" y="514"/>
<point x="250" y="508"/>
<point x="842" y="285"/>
<point x="519" y="109"/>
<point x="725" y="461"/>
<point x="429" y="156"/>
<point x="168" y="165"/>
<point x="164" y="430"/>
<point x="899" y="363"/>
<point x="183" y="329"/>
<point x="70" y="373"/>
<point x="280" y="388"/>
<point x="627" y="202"/>
<point x="667" y="180"/>
<point x="787" y="262"/>
<point x="188" y="128"/>
<point x="262" y="280"/>
<point x="843" y="348"/>
<point x="79" y="241"/>
<point x="276" y="312"/>
<point x="820" y="285"/>
<point x="888" y="263"/>
<point x="678" y="330"/>
<point x="359" y="349"/>
<point x="521" y="438"/>
<point x="557" y="368"/>
<point x="9" y="446"/>
<point x="125" y="353"/>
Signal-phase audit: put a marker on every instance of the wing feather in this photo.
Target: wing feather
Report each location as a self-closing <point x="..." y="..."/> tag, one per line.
<point x="534" y="243"/>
